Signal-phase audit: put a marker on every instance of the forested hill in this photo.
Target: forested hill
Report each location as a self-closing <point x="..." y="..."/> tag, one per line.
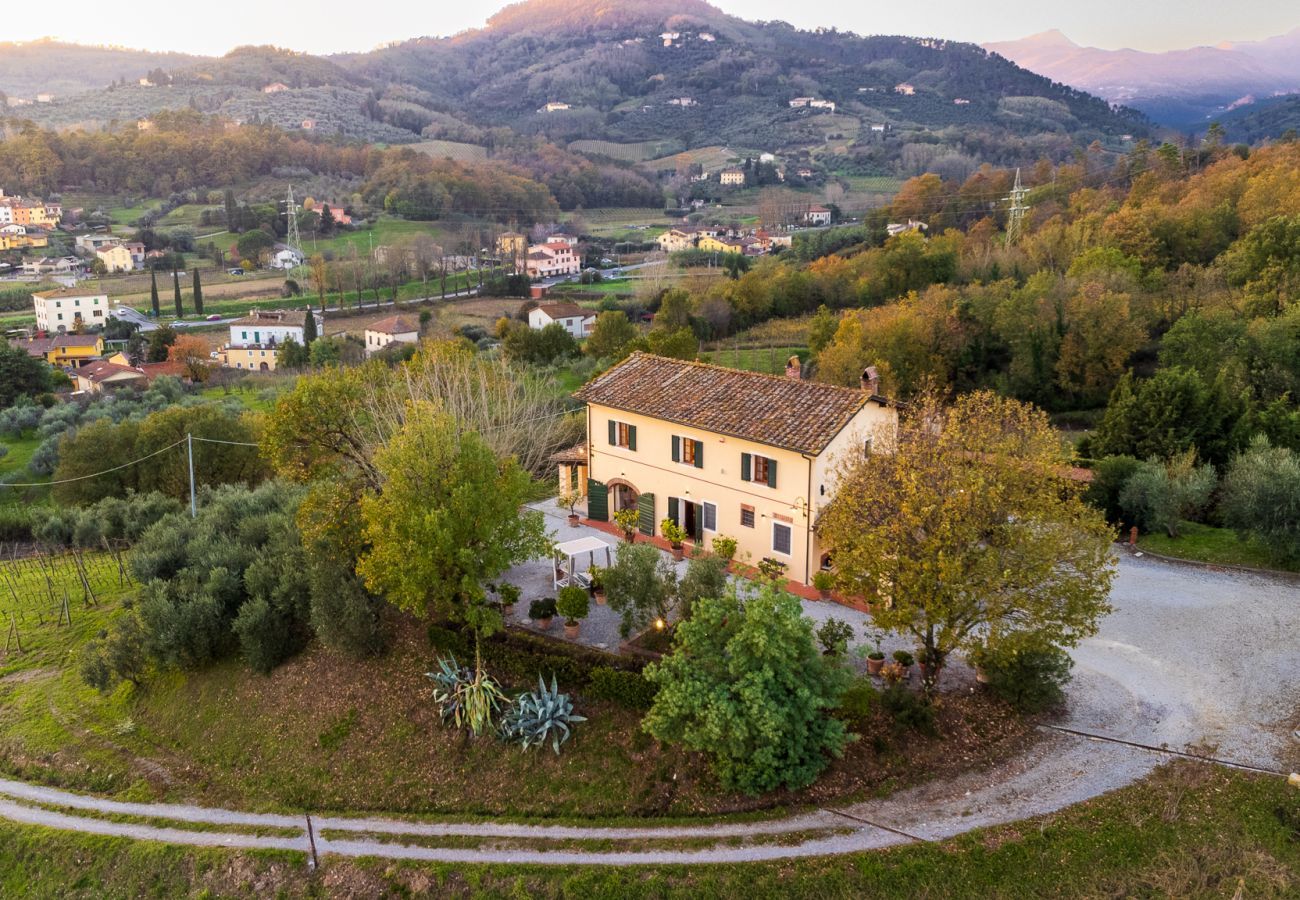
<point x="627" y="71"/>
<point x="619" y="67"/>
<point x="54" y="67"/>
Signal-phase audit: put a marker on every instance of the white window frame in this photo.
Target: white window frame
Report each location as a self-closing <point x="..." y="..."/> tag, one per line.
<point x="787" y="526"/>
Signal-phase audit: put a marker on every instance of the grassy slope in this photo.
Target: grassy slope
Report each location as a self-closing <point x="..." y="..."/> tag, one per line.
<point x="1188" y="831"/>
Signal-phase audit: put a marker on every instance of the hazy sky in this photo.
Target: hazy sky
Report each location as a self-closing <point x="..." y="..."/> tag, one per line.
<point x="325" y="26"/>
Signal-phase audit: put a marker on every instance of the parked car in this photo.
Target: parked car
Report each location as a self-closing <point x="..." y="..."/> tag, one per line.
<point x="234" y="271"/>
<point x="215" y="317"/>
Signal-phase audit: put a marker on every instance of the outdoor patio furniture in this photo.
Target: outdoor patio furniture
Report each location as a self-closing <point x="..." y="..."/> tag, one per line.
<point x="567" y="556"/>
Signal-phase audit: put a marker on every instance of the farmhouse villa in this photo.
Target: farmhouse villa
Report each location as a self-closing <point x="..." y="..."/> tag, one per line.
<point x="725" y="452"/>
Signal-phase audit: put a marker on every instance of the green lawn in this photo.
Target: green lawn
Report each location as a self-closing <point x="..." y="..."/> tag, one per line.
<point x="386" y="231"/>
<point x="1187" y="831"/>
<point x="771" y="360"/>
<point x="1206" y="543"/>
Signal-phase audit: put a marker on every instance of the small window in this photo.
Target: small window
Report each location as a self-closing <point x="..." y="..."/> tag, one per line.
<point x="747" y="516"/>
<point x="710" y="516"/>
<point x="866" y="448"/>
<point x="622" y="434"/>
<point x="760" y="468"/>
<point x="781" y="535"/>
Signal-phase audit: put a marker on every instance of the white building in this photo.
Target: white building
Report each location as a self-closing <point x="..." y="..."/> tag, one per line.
<point x="60" y="310"/>
<point x="256" y="338"/>
<point x="286" y="258"/>
<point x="572" y="317"/>
<point x="393" y="330"/>
<point x="818" y="215"/>
<point x="556" y="257"/>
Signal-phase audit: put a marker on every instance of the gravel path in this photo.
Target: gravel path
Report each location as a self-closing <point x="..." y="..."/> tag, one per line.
<point x="1190" y="658"/>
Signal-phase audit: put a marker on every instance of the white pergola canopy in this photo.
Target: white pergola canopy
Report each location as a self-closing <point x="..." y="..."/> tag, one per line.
<point x="566" y="560"/>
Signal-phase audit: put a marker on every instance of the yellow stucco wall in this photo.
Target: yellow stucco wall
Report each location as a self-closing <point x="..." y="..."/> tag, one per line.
<point x="249" y="358"/>
<point x="793" y="501"/>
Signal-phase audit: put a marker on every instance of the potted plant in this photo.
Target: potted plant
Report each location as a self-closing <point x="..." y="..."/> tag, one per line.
<point x="772" y="569"/>
<point x="674" y="534"/>
<point x="573" y="604"/>
<point x="893" y="673"/>
<point x="541" y="612"/>
<point x="507" y="595"/>
<point x="596" y="576"/>
<point x="823" y="580"/>
<point x="980" y="658"/>
<point x="875" y="658"/>
<point x="627" y="520"/>
<point x="834" y="636"/>
<point x="570" y="502"/>
<point x="930" y="664"/>
<point x="904" y="661"/>
<point x="725" y="547"/>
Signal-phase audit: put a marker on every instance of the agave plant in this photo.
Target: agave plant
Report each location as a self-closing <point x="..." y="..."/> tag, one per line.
<point x="465" y="697"/>
<point x="449" y="680"/>
<point x="540" y="714"/>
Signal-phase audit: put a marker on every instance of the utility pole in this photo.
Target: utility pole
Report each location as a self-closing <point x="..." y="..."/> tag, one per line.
<point x="189" y="443"/>
<point x="1016" y="211"/>
<point x="292" y="237"/>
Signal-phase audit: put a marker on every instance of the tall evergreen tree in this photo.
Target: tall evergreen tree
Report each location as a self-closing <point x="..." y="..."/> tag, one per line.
<point x="153" y="292"/>
<point x="232" y="212"/>
<point x="176" y="287"/>
<point x="198" y="292"/>
<point x="308" y="328"/>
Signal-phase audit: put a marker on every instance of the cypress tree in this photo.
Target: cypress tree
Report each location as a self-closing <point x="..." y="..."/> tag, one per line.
<point x="198" y="292"/>
<point x="176" y="286"/>
<point x="308" y="328"/>
<point x="153" y="292"/>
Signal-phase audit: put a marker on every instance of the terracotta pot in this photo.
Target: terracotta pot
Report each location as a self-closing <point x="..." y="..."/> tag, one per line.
<point x="823" y="595"/>
<point x="875" y="665"/>
<point x="678" y="553"/>
<point x="571" y="631"/>
<point x="981" y="677"/>
<point x="928" y="670"/>
<point x="600" y="598"/>
<point x="545" y="624"/>
<point x="573" y="519"/>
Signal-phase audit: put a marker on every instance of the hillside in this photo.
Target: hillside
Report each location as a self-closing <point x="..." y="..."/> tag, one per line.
<point x="635" y="71"/>
<point x="1267" y="120"/>
<point x="48" y="66"/>
<point x="1179" y="88"/>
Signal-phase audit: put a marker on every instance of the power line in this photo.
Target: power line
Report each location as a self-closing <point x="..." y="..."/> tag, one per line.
<point x="133" y="462"/>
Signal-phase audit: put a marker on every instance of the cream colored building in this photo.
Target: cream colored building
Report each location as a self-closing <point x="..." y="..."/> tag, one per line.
<point x="116" y="258"/>
<point x="392" y="330"/>
<point x="726" y="452"/>
<point x="732" y="177"/>
<point x="59" y="310"/>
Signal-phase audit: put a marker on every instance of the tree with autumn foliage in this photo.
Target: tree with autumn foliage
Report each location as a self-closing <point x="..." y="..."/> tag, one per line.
<point x="966" y="533"/>
<point x="192" y="352"/>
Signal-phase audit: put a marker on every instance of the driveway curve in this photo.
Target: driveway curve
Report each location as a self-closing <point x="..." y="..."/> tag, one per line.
<point x="1190" y="658"/>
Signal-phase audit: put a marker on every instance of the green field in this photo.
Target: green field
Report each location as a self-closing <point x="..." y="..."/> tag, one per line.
<point x="874" y="184"/>
<point x="385" y="232"/>
<point x="1205" y="543"/>
<point x="711" y="158"/>
<point x="637" y="152"/>
<point x="455" y="150"/>
<point x="770" y="360"/>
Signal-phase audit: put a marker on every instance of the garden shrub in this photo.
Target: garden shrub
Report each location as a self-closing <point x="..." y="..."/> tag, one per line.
<point x="629" y="689"/>
<point x="859" y="699"/>
<point x="1159" y="495"/>
<point x="706" y="576"/>
<point x="15" y="523"/>
<point x="1109" y="476"/>
<point x="834" y="636"/>
<point x="1030" y="680"/>
<point x="908" y="709"/>
<point x="1261" y="496"/>
<point x="640" y="586"/>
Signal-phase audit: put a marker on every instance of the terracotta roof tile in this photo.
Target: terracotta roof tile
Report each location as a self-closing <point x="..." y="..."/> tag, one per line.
<point x="392" y="325"/>
<point x="803" y="416"/>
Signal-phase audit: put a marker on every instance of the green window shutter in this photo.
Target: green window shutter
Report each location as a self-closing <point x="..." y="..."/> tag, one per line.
<point x="745" y="467"/>
<point x="699" y="522"/>
<point x="645" y="507"/>
<point x="771" y="473"/>
<point x="677" y="449"/>
<point x="597" y="501"/>
<point x="699" y="454"/>
<point x="672" y="510"/>
<point x="631" y="437"/>
<point x="613" y="432"/>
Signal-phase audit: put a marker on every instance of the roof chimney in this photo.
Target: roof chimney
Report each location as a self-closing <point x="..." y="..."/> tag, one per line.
<point x="793" y="368"/>
<point x="871" y="380"/>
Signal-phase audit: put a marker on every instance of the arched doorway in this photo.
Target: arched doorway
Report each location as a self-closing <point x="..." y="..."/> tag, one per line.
<point x="263" y="367"/>
<point x="622" y="495"/>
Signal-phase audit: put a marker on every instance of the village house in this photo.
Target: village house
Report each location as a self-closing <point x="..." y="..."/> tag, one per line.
<point x="554" y="107"/>
<point x="256" y="337"/>
<point x="20" y="237"/>
<point x="392" y="330"/>
<point x="675" y="240"/>
<point x="89" y="243"/>
<point x="512" y="246"/>
<point x="63" y="349"/>
<point x="116" y="258"/>
<point x="97" y="377"/>
<point x="28" y="212"/>
<point x="69" y="309"/>
<point x="51" y="265"/>
<point x="823" y="104"/>
<point x="275" y="87"/>
<point x="558" y="256"/>
<point x="732" y="177"/>
<point x="570" y="316"/>
<point x="817" y="215"/>
<point x="907" y="90"/>
<point x="725" y="452"/>
<point x="800" y="102"/>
